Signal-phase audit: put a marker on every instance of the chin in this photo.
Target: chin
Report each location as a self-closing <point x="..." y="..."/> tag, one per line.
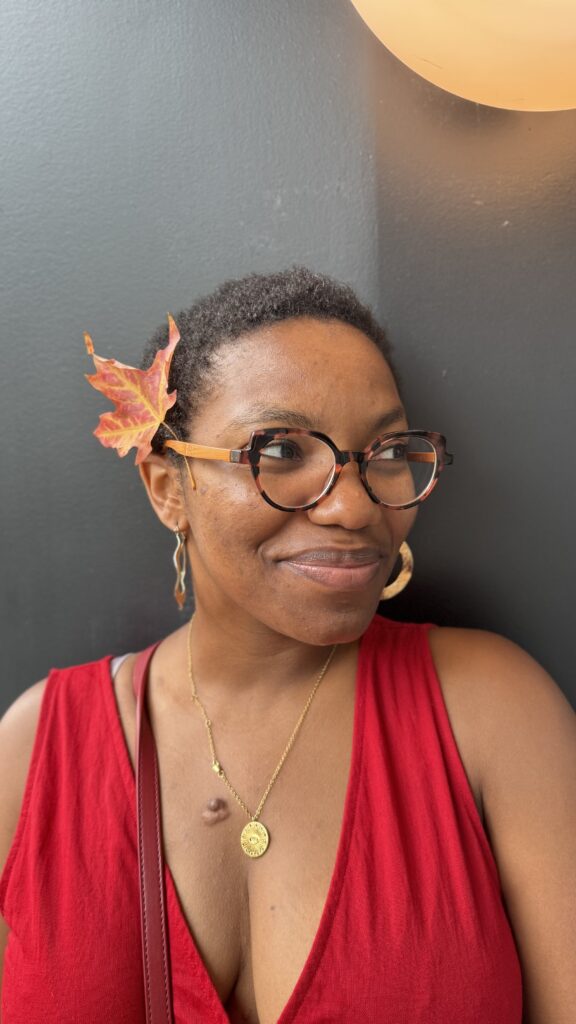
<point x="341" y="624"/>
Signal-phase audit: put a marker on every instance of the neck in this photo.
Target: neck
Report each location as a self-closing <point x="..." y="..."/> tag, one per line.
<point x="247" y="656"/>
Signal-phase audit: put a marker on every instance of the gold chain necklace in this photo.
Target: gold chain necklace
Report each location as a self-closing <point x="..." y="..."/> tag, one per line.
<point x="254" y="838"/>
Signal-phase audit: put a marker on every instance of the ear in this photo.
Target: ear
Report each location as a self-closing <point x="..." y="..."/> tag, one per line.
<point x="164" y="489"/>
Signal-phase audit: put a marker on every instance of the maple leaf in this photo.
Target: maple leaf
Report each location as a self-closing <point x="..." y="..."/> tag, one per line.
<point x="141" y="398"/>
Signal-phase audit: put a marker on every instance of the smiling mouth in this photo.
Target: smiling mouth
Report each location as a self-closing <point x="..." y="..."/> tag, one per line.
<point x="339" y="570"/>
<point x="336" y="556"/>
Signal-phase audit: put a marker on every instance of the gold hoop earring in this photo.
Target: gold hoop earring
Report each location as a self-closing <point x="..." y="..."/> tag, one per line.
<point x="179" y="559"/>
<point x="404" y="576"/>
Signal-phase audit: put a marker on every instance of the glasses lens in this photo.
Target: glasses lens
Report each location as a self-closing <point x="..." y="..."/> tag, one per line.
<point x="295" y="469"/>
<point x="401" y="469"/>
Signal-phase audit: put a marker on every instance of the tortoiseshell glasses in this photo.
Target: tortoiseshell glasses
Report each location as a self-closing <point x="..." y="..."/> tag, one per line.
<point x="295" y="468"/>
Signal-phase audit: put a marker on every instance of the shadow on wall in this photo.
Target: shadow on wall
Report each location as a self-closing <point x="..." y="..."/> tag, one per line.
<point x="443" y="146"/>
<point x="477" y="241"/>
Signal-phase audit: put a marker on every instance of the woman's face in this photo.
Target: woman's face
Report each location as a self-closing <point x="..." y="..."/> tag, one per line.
<point x="290" y="571"/>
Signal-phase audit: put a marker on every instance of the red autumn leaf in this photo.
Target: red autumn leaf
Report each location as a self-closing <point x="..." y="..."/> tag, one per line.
<point x="141" y="398"/>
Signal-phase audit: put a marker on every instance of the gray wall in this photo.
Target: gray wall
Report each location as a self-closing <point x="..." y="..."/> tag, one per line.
<point x="151" y="149"/>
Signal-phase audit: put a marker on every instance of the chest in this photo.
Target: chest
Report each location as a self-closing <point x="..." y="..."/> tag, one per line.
<point x="256" y="923"/>
<point x="253" y="921"/>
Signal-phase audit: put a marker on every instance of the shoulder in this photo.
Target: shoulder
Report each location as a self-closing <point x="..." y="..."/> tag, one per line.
<point x="17" y="733"/>
<point x="504" y="687"/>
<point x="18" y="729"/>
<point x="525" y="752"/>
<point x="525" y="724"/>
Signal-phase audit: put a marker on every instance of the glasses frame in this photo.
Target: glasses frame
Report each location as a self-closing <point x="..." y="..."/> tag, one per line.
<point x="250" y="456"/>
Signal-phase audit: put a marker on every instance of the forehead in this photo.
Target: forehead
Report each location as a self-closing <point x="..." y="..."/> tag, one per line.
<point x="325" y="369"/>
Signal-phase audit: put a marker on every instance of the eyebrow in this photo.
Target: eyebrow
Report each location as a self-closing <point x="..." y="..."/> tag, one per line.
<point x="293" y="418"/>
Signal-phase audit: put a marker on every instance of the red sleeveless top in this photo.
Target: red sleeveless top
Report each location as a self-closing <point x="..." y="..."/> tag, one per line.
<point x="413" y="931"/>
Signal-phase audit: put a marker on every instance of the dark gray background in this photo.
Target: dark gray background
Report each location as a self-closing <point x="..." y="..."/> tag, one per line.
<point x="151" y="149"/>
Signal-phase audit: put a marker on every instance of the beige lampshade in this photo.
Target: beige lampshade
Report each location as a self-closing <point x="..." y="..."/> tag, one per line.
<point x="516" y="54"/>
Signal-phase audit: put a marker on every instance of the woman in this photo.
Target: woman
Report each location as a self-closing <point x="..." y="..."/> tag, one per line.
<point x="406" y="794"/>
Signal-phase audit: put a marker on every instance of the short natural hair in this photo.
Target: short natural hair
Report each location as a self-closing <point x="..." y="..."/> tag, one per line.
<point x="238" y="307"/>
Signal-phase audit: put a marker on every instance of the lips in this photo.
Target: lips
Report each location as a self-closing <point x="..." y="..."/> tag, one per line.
<point x="336" y="556"/>
<point x="342" y="569"/>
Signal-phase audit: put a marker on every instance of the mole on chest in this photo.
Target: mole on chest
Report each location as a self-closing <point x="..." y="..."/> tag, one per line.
<point x="215" y="810"/>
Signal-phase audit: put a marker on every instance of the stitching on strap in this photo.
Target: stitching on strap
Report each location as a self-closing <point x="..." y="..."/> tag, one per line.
<point x="143" y="890"/>
<point x="161" y="880"/>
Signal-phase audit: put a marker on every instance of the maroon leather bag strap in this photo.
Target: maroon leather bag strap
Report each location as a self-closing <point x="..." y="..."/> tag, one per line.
<point x="155" y="949"/>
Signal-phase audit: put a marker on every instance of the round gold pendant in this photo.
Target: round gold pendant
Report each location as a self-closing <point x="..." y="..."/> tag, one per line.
<point x="254" y="839"/>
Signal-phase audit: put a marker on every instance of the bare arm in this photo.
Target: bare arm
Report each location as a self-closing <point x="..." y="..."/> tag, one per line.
<point x="17" y="732"/>
<point x="526" y="747"/>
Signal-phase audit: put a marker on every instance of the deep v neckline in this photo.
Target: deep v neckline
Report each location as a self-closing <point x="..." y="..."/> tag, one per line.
<point x="177" y="919"/>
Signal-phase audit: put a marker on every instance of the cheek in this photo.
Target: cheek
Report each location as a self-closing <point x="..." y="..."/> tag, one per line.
<point x="401" y="522"/>
<point x="229" y="523"/>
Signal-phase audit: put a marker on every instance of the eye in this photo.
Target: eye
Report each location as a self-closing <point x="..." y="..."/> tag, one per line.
<point x="396" y="452"/>
<point x="282" y="449"/>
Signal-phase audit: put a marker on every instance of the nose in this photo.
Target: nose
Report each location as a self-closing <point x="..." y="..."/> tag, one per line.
<point x="348" y="504"/>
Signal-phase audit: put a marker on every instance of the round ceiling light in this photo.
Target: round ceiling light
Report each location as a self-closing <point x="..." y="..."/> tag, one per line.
<point x="515" y="54"/>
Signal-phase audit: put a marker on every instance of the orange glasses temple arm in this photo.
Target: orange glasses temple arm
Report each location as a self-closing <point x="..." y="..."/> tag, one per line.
<point x="421" y="457"/>
<point x="201" y="451"/>
<point x="429" y="457"/>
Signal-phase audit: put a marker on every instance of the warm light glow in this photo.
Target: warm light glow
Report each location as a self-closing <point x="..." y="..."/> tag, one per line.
<point x="516" y="54"/>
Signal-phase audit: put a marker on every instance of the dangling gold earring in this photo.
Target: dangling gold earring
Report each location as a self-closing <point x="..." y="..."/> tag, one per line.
<point x="404" y="576"/>
<point x="179" y="559"/>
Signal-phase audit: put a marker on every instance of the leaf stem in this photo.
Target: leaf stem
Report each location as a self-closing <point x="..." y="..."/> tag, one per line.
<point x="176" y="438"/>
